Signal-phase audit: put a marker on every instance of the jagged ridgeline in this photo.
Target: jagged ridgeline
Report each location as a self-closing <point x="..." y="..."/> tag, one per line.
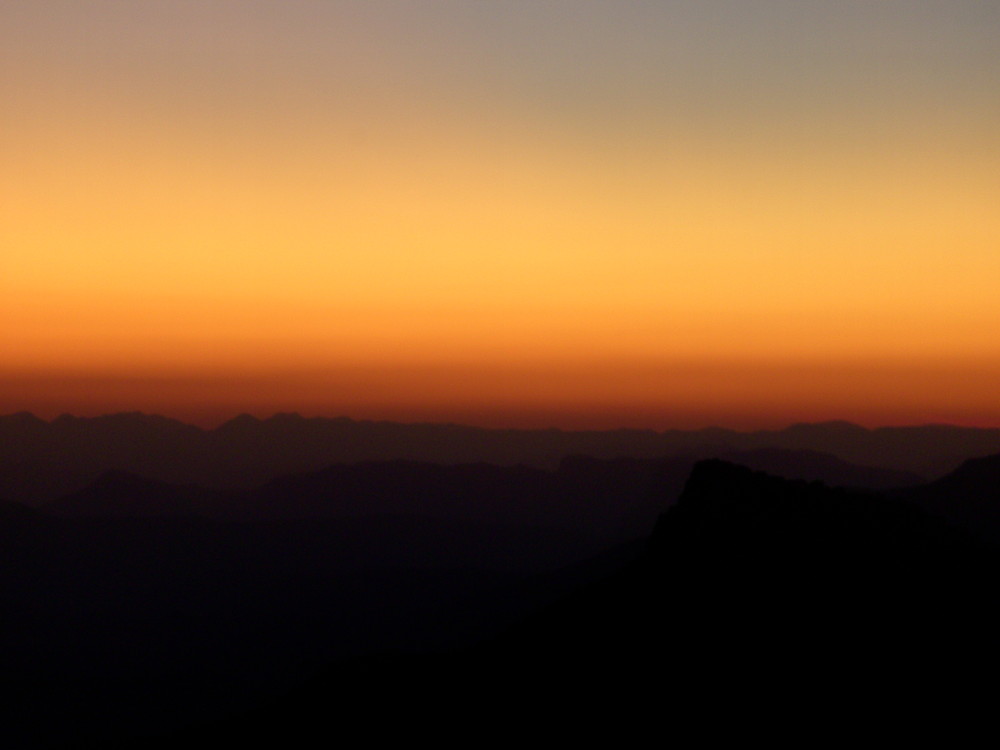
<point x="41" y="460"/>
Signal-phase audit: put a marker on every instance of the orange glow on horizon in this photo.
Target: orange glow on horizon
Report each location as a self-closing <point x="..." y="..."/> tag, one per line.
<point x="598" y="395"/>
<point x="199" y="238"/>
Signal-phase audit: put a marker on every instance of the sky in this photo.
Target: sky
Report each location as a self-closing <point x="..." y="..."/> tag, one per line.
<point x="514" y="213"/>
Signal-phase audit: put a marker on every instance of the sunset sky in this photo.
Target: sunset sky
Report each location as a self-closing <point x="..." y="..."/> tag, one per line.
<point x="521" y="213"/>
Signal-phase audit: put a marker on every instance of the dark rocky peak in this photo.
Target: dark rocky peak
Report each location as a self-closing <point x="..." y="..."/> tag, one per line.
<point x="983" y="471"/>
<point x="764" y="514"/>
<point x="812" y="465"/>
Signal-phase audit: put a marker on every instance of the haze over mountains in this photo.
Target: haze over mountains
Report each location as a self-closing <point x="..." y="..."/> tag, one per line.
<point x="41" y="460"/>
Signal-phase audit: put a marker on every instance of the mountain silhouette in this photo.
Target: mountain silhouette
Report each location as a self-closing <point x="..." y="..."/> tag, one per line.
<point x="41" y="461"/>
<point x="121" y="494"/>
<point x="196" y="574"/>
<point x="969" y="496"/>
<point x="597" y="502"/>
<point x="758" y="603"/>
<point x="814" y="466"/>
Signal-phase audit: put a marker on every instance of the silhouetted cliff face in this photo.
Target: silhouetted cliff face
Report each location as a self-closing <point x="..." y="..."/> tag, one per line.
<point x="969" y="497"/>
<point x="753" y="592"/>
<point x="749" y="573"/>
<point x="815" y="466"/>
<point x="605" y="501"/>
<point x="804" y="547"/>
<point x="761" y="603"/>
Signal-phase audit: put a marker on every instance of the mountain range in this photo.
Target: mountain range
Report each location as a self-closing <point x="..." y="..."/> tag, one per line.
<point x="137" y="610"/>
<point x="43" y="460"/>
<point x="759" y="607"/>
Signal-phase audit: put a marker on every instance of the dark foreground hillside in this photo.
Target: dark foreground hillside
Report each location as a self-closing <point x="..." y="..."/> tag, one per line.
<point x="761" y="607"/>
<point x="119" y="628"/>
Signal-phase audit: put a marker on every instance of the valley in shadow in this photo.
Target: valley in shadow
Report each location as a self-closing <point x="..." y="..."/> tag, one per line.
<point x="573" y="597"/>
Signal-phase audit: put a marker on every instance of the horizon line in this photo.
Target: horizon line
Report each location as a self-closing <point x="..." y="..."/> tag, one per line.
<point x="215" y="425"/>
